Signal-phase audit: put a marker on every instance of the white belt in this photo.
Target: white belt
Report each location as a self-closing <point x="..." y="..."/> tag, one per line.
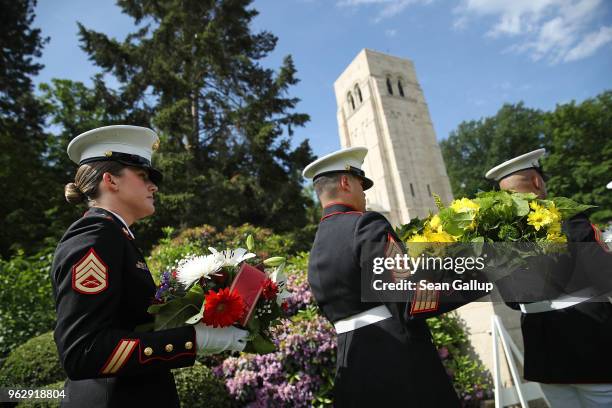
<point x="558" y="304"/>
<point x="362" y="319"/>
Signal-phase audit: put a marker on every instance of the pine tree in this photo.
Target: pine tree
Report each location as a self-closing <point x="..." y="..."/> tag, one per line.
<point x="23" y="175"/>
<point x="226" y="121"/>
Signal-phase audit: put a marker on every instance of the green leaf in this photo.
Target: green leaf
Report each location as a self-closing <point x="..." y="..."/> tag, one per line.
<point x="521" y="205"/>
<point x="176" y="312"/>
<point x="455" y="223"/>
<point x="260" y="345"/>
<point x="570" y="208"/>
<point x="253" y="325"/>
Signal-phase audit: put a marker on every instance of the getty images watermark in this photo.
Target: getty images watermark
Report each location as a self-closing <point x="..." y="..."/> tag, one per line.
<point x="402" y="266"/>
<point x="508" y="271"/>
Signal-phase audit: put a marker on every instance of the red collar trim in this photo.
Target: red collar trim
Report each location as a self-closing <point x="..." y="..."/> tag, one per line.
<point x="340" y="203"/>
<point x="340" y="212"/>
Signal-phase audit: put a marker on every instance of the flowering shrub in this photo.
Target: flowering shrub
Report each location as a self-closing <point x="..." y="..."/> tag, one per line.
<point x="470" y="379"/>
<point x="299" y="374"/>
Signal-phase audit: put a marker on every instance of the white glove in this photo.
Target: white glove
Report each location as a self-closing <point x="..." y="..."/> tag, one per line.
<point x="215" y="340"/>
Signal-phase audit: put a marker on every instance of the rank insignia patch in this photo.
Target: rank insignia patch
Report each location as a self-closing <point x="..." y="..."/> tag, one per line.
<point x="90" y="274"/>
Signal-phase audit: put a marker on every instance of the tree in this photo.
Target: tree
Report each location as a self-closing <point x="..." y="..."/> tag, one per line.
<point x="477" y="146"/>
<point x="23" y="174"/>
<point x="193" y="70"/>
<point x="580" y="159"/>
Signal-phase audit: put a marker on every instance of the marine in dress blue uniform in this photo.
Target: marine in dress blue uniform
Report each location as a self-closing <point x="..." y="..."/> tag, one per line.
<point x="566" y="343"/>
<point x="385" y="352"/>
<point x="103" y="287"/>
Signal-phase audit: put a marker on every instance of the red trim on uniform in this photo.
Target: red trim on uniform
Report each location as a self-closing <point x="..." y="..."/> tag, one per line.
<point x="390" y="240"/>
<point x="124" y="359"/>
<point x="340" y="212"/>
<point x="340" y="203"/>
<point x="599" y="239"/>
<point x="76" y="265"/>
<point x="173" y="357"/>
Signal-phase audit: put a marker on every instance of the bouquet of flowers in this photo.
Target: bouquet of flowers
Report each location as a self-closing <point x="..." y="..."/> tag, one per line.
<point x="221" y="289"/>
<point x="521" y="225"/>
<point x="495" y="216"/>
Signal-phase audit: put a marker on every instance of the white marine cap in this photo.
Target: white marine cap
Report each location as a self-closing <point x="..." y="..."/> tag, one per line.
<point x="522" y="162"/>
<point x="609" y="186"/>
<point x="347" y="160"/>
<point x="129" y="145"/>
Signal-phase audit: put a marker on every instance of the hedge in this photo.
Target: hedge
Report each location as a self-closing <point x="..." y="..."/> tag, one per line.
<point x="33" y="364"/>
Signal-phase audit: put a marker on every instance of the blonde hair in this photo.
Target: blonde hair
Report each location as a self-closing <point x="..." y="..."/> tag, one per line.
<point x="87" y="180"/>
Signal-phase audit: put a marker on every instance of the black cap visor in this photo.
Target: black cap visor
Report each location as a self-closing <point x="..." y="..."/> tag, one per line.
<point x="132" y="160"/>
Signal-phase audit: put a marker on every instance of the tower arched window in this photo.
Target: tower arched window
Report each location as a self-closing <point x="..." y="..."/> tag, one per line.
<point x="358" y="92"/>
<point x="389" y="86"/>
<point x="350" y="100"/>
<point x="400" y="87"/>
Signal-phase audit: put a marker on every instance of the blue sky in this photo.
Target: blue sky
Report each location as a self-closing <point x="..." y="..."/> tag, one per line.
<point x="471" y="56"/>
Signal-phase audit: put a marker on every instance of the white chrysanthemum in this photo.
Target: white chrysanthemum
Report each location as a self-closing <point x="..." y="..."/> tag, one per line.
<point x="232" y="257"/>
<point x="191" y="269"/>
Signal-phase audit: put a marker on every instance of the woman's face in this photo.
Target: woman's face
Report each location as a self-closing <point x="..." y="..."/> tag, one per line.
<point x="135" y="193"/>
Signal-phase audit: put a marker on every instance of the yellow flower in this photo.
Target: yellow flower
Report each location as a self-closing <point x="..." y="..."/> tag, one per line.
<point x="464" y="205"/>
<point x="435" y="223"/>
<point x="534" y="205"/>
<point x="553" y="237"/>
<point x="441" y="236"/>
<point x="539" y="218"/>
<point x="554" y="211"/>
<point x="417" y="238"/>
<point x="554" y="228"/>
<point x="419" y="245"/>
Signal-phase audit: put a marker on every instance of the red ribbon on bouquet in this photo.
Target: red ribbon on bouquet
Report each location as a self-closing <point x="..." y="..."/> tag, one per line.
<point x="248" y="283"/>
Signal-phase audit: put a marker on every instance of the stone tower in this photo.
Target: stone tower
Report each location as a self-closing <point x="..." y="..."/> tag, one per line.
<point x="381" y="106"/>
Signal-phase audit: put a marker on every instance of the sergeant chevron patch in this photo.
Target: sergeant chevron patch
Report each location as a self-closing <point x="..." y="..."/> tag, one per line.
<point x="90" y="274"/>
<point x="119" y="356"/>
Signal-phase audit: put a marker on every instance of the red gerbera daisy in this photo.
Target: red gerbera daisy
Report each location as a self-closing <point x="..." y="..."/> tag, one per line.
<point x="222" y="308"/>
<point x="270" y="289"/>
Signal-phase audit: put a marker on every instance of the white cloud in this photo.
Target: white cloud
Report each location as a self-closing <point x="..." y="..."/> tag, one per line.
<point x="389" y="8"/>
<point x="553" y="30"/>
<point x="550" y="30"/>
<point x="590" y="44"/>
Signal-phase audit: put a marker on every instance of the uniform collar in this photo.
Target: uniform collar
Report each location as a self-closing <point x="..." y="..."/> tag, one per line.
<point x="104" y="211"/>
<point x="332" y="208"/>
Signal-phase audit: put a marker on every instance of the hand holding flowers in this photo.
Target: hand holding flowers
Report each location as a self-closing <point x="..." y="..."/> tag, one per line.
<point x="220" y="290"/>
